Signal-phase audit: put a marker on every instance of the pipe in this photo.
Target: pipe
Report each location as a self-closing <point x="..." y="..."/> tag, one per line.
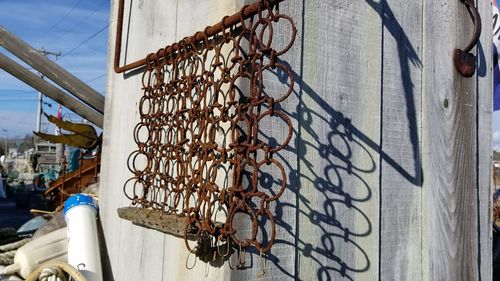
<point x="246" y="12"/>
<point x="51" y="70"/>
<point x="49" y="90"/>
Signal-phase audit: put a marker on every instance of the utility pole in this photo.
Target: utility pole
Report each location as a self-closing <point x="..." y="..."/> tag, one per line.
<point x="59" y="147"/>
<point x="40" y="96"/>
<point x="6" y="147"/>
<point x="49" y="90"/>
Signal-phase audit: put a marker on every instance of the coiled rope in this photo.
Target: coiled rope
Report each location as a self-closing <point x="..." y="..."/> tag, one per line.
<point x="55" y="271"/>
<point x="8" y="251"/>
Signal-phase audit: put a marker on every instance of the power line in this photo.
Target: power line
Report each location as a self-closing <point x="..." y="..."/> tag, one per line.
<point x="85" y="41"/>
<point x="16" y="95"/>
<point x="20" y="122"/>
<point x="16" y="90"/>
<point x="61" y="19"/>
<point x="7" y="100"/>
<point x="95" y="78"/>
<point x="91" y="51"/>
<point x="76" y="25"/>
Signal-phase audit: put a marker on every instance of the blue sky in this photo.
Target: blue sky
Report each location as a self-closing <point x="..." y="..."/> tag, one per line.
<point x="76" y="28"/>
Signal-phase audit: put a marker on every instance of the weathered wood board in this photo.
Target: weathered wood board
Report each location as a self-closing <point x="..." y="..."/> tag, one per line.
<point x="138" y="253"/>
<point x="484" y="144"/>
<point x="451" y="206"/>
<point x="389" y="165"/>
<point x="339" y="139"/>
<point x="401" y="177"/>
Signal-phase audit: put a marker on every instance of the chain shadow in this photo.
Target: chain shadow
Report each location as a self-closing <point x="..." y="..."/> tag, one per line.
<point x="336" y="218"/>
<point x="336" y="211"/>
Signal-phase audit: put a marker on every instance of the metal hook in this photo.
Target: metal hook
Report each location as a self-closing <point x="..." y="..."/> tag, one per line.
<point x="227" y="249"/>
<point x="187" y="258"/>
<point x="262" y="265"/>
<point x="207" y="270"/>
<point x="465" y="62"/>
<point x="241" y="257"/>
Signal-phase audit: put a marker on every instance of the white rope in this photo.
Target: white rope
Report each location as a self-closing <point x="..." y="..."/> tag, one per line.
<point x="8" y="251"/>
<point x="53" y="270"/>
<point x="7" y="258"/>
<point x="14" y="246"/>
<point x="52" y="274"/>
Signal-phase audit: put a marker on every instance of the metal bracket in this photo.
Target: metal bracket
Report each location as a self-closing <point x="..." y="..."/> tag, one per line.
<point x="465" y="62"/>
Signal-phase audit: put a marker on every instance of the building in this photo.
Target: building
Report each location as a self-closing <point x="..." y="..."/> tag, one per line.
<point x="45" y="152"/>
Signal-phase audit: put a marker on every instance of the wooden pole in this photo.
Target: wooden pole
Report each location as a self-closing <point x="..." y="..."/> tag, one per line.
<point x="47" y="89"/>
<point x="51" y="70"/>
<point x="455" y="132"/>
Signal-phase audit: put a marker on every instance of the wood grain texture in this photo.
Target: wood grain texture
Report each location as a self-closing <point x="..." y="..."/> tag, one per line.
<point x="339" y="133"/>
<point x="137" y="253"/>
<point x="484" y="129"/>
<point x="280" y="262"/>
<point x="131" y="249"/>
<point x="157" y="220"/>
<point x="450" y="208"/>
<point x="400" y="190"/>
<point x="388" y="170"/>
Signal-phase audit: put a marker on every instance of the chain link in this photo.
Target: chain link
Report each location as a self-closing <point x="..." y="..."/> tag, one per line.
<point x="198" y="147"/>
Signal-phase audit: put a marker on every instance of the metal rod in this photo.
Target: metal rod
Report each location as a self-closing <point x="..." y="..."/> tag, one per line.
<point x="49" y="90"/>
<point x="51" y="70"/>
<point x="226" y="22"/>
<point x="39" y="112"/>
<point x="6" y="149"/>
<point x="40" y="96"/>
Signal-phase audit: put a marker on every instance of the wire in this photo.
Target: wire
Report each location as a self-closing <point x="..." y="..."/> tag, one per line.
<point x="85" y="41"/>
<point x="15" y="95"/>
<point x="7" y="100"/>
<point x="16" y="90"/>
<point x="17" y="121"/>
<point x="29" y="111"/>
<point x="61" y="19"/>
<point x="95" y="78"/>
<point x="76" y="25"/>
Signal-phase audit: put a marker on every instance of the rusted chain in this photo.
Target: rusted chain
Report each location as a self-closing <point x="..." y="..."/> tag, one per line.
<point x="199" y="145"/>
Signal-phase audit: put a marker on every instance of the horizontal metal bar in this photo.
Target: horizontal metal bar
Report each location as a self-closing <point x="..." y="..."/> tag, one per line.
<point x="246" y="12"/>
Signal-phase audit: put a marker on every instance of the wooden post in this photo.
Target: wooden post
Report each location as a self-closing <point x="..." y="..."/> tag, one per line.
<point x="389" y="166"/>
<point x="47" y="89"/>
<point x="51" y="70"/>
<point x="454" y="149"/>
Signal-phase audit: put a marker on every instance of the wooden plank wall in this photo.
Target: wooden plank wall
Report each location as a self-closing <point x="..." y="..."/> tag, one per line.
<point x="484" y="156"/>
<point x="281" y="261"/>
<point x="137" y="253"/>
<point x="450" y="134"/>
<point x="339" y="139"/>
<point x="389" y="166"/>
<point x="401" y="166"/>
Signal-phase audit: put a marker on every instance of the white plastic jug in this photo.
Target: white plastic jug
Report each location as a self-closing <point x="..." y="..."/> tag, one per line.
<point x="80" y="213"/>
<point x="51" y="246"/>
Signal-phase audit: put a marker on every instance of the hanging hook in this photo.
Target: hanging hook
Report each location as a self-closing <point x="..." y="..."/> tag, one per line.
<point x="262" y="265"/>
<point x="465" y="62"/>
<point x="241" y="257"/>
<point x="187" y="258"/>
<point x="228" y="247"/>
